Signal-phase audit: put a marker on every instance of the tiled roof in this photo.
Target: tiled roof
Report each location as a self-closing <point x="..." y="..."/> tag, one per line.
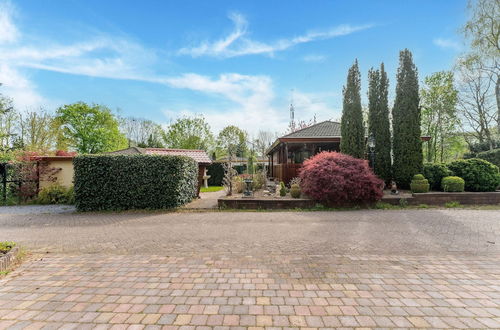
<point x="323" y="129"/>
<point x="198" y="155"/>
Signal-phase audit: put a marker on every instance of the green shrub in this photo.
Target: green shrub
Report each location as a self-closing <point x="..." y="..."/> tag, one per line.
<point x="419" y="184"/>
<point x="452" y="204"/>
<point x="435" y="172"/>
<point x="216" y="172"/>
<point x="259" y="180"/>
<point x="120" y="182"/>
<point x="282" y="189"/>
<point x="238" y="184"/>
<point x="493" y="156"/>
<point x="478" y="174"/>
<point x="6" y="246"/>
<point x="453" y="184"/>
<point x="295" y="191"/>
<point x="56" y="194"/>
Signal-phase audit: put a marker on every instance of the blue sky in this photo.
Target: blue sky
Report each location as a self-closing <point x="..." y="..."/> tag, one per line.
<point x="235" y="62"/>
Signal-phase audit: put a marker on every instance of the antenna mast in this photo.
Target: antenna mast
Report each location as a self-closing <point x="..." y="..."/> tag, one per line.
<point x="292" y="113"/>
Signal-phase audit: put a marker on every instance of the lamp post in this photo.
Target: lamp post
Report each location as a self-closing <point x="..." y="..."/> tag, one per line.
<point x="371" y="146"/>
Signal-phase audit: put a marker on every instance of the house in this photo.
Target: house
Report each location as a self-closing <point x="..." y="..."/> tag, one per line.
<point x="63" y="174"/>
<point x="200" y="156"/>
<point x="287" y="153"/>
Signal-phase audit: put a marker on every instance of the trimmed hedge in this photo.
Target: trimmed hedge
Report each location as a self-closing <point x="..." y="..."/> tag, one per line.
<point x="478" y="174"/>
<point x="121" y="182"/>
<point x="435" y="172"/>
<point x="493" y="156"/>
<point x="216" y="172"/>
<point x="453" y="184"/>
<point x="419" y="184"/>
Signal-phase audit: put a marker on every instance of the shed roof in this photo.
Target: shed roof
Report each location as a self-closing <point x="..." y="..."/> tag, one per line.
<point x="324" y="129"/>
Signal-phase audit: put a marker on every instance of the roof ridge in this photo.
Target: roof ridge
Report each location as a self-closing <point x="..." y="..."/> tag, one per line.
<point x="297" y="131"/>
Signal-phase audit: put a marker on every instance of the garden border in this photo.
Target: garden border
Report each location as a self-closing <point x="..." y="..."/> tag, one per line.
<point x="8" y="259"/>
<point x="441" y="198"/>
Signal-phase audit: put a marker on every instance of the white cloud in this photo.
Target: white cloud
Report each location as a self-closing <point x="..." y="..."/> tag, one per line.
<point x="447" y="44"/>
<point x="19" y="88"/>
<point x="314" y="58"/>
<point x="8" y="31"/>
<point x="238" y="44"/>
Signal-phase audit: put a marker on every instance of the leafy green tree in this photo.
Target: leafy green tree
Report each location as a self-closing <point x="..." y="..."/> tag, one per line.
<point x="439" y="115"/>
<point x="37" y="131"/>
<point x="378" y="121"/>
<point x="8" y="118"/>
<point x="232" y="141"/>
<point x="189" y="133"/>
<point x="407" y="143"/>
<point x="352" y="128"/>
<point x="89" y="129"/>
<point x="483" y="31"/>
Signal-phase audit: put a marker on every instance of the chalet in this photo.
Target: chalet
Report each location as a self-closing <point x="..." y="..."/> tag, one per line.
<point x="287" y="153"/>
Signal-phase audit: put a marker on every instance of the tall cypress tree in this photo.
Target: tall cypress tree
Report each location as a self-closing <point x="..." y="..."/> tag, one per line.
<point x="378" y="121"/>
<point x="352" y="129"/>
<point x="407" y="143"/>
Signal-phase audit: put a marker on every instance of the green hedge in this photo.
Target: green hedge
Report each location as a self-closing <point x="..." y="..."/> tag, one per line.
<point x="120" y="182"/>
<point x="478" y="174"/>
<point x="435" y="172"/>
<point x="453" y="184"/>
<point x="493" y="156"/>
<point x="216" y="172"/>
<point x="419" y="184"/>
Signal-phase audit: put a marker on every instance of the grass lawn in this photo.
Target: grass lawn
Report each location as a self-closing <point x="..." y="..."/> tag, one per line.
<point x="211" y="189"/>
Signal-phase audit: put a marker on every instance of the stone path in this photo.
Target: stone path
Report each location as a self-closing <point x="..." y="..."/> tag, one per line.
<point x="275" y="270"/>
<point x="207" y="200"/>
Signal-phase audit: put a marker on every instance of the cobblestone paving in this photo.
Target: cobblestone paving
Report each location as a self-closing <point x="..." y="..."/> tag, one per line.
<point x="451" y="281"/>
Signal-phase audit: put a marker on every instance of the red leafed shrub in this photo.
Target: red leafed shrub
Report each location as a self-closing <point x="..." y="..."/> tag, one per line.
<point x="65" y="153"/>
<point x="336" y="179"/>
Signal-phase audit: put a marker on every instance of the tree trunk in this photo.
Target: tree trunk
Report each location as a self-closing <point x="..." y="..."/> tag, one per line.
<point x="497" y="94"/>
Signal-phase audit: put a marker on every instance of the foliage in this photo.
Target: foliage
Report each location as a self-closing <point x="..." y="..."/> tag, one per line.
<point x="37" y="131"/>
<point x="119" y="182"/>
<point x="295" y="190"/>
<point x="8" y="117"/>
<point x="229" y="174"/>
<point x="453" y="184"/>
<point x="337" y="179"/>
<point x="378" y="121"/>
<point x="89" y="129"/>
<point x="295" y="180"/>
<point x="352" y="130"/>
<point x="407" y="143"/>
<point x="142" y="132"/>
<point x="282" y="189"/>
<point x="263" y="141"/>
<point x="28" y="169"/>
<point x="216" y="172"/>
<point x="189" y="133"/>
<point x="452" y="204"/>
<point x="440" y="120"/>
<point x="474" y="148"/>
<point x="231" y="141"/>
<point x="419" y="184"/>
<point x="479" y="174"/>
<point x="259" y="180"/>
<point x="6" y="246"/>
<point x="493" y="156"/>
<point x="435" y="172"/>
<point x="56" y="194"/>
<point x="211" y="189"/>
<point x="238" y="184"/>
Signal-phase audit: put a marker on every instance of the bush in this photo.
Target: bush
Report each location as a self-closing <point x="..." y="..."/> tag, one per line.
<point x="295" y="190"/>
<point x="435" y="173"/>
<point x="335" y="179"/>
<point x="419" y="184"/>
<point x="478" y="174"/>
<point x="453" y="184"/>
<point x="119" y="182"/>
<point x="238" y="184"/>
<point x="259" y="180"/>
<point x="216" y="172"/>
<point x="282" y="189"/>
<point x="493" y="156"/>
<point x="56" y="194"/>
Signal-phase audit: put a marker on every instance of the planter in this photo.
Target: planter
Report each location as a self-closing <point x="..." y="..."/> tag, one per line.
<point x="7" y="259"/>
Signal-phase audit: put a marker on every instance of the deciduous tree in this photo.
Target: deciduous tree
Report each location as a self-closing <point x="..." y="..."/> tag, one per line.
<point x="89" y="129"/>
<point x="189" y="133"/>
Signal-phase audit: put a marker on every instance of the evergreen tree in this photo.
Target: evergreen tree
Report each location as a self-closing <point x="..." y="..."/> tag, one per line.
<point x="378" y="121"/>
<point x="352" y="128"/>
<point x="407" y="143"/>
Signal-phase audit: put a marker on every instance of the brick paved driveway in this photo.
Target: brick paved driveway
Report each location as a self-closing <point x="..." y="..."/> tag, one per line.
<point x="366" y="269"/>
